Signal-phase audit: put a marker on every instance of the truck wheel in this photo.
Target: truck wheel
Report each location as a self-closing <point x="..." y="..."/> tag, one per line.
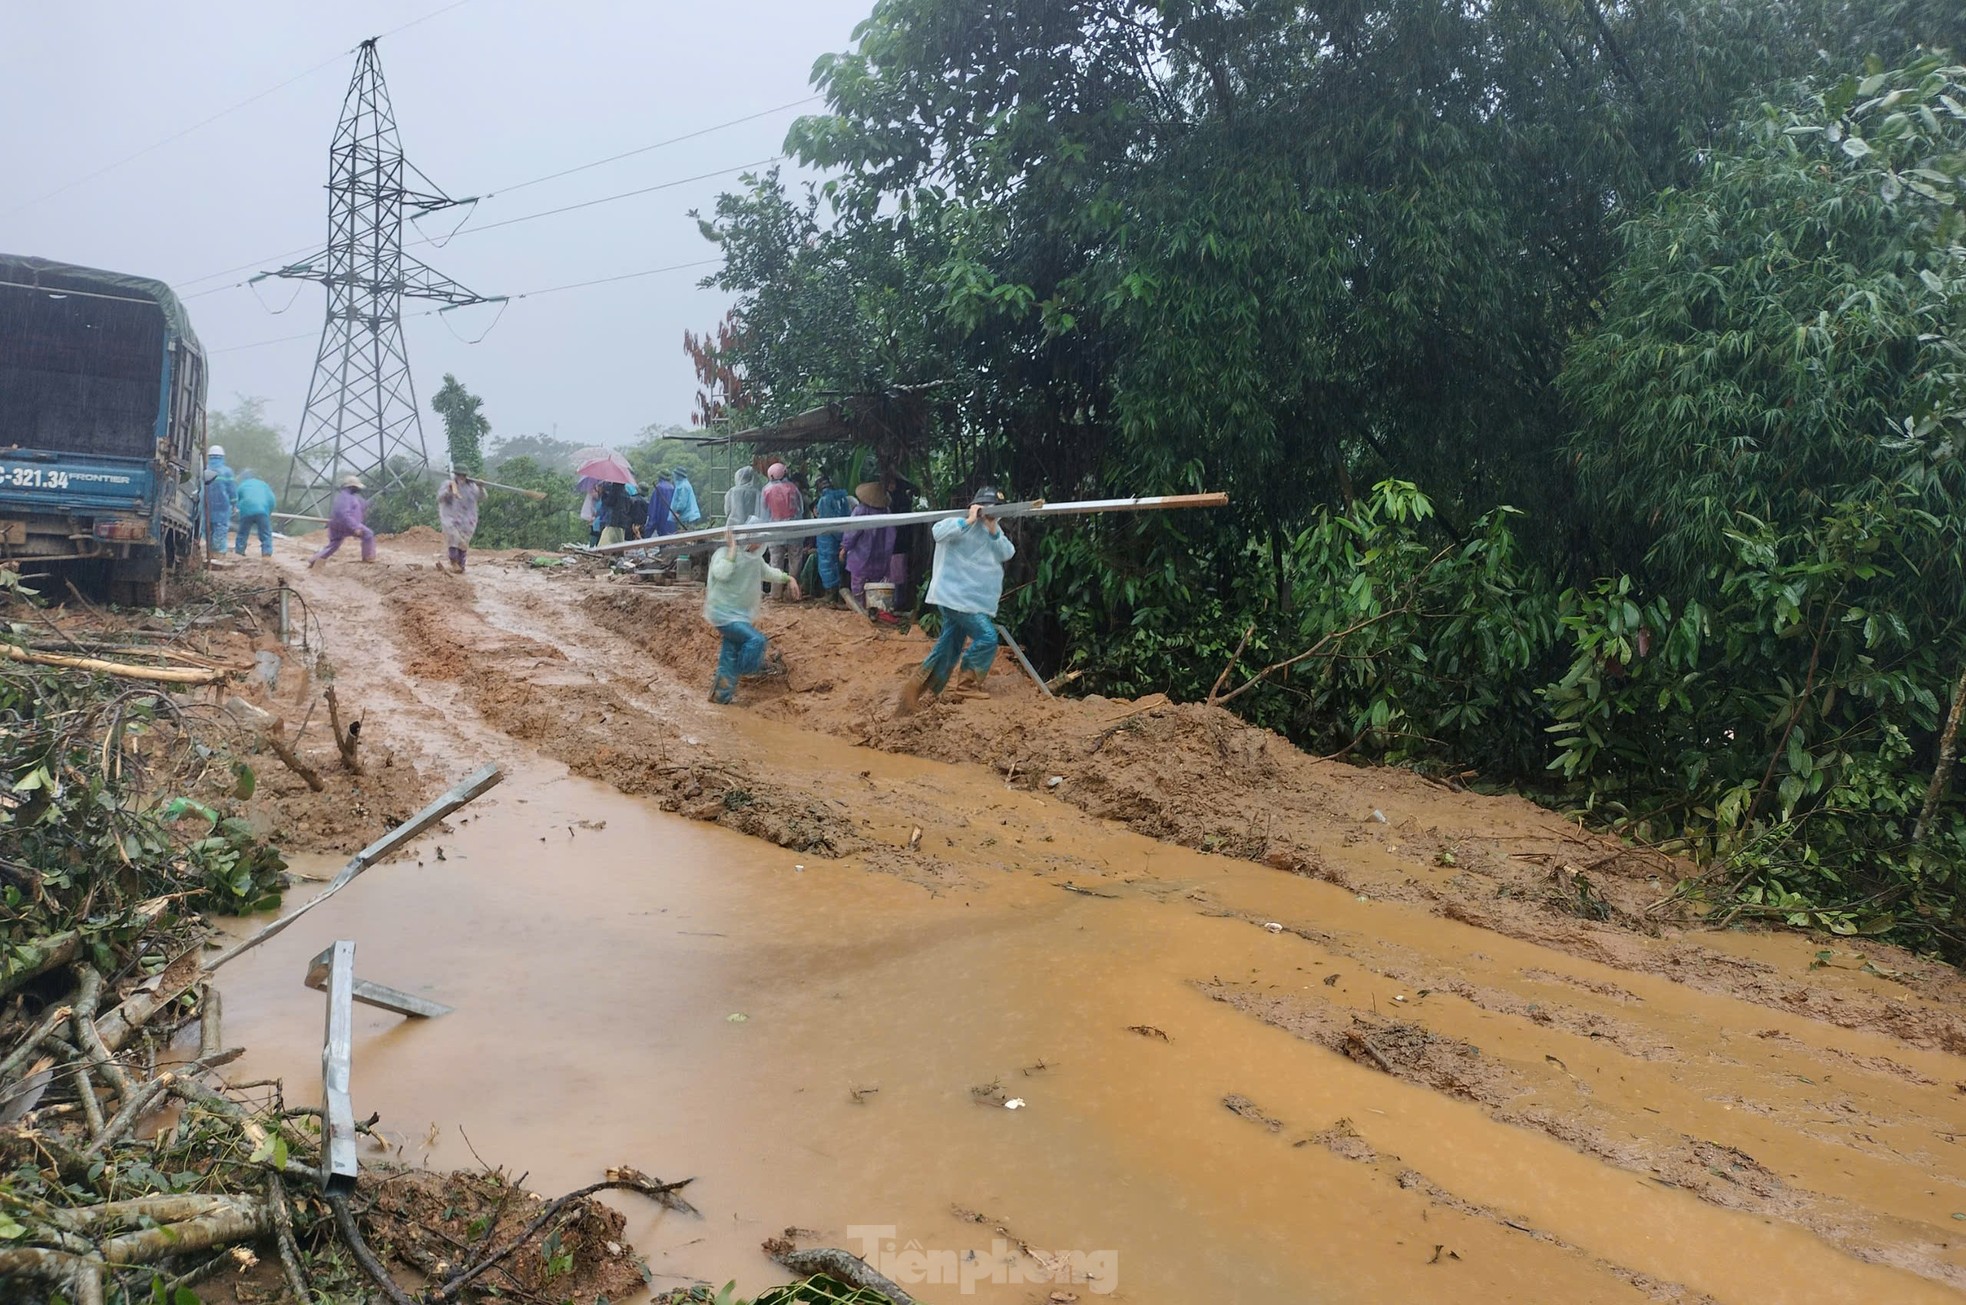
<point x="137" y="593"/>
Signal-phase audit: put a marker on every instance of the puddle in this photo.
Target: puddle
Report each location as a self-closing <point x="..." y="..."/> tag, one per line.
<point x="594" y="971"/>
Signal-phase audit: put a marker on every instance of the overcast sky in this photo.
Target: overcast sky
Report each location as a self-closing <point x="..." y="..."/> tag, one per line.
<point x="487" y="94"/>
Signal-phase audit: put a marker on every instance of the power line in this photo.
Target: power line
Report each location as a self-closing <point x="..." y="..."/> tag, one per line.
<point x="605" y="199"/>
<point x="644" y="149"/>
<point x="529" y="294"/>
<point x="493" y="226"/>
<point x="506" y="190"/>
<point x="222" y="113"/>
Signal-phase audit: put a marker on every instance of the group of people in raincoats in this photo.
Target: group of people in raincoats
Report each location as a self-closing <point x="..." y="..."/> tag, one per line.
<point x="617" y="512"/>
<point x="243" y="503"/>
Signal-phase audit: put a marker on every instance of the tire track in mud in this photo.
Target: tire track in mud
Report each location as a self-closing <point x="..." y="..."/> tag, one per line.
<point x="1559" y="1101"/>
<point x="1342" y="1139"/>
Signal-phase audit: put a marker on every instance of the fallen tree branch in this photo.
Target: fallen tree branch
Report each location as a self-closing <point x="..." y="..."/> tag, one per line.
<point x="174" y="981"/>
<point x="351" y="1233"/>
<point x="1215" y="689"/>
<point x="1315" y="650"/>
<point x="283" y="1229"/>
<point x="89" y="1040"/>
<point x="165" y="674"/>
<point x="841" y="1265"/>
<point x="277" y="740"/>
<point x="233" y="1219"/>
<point x="134" y="1104"/>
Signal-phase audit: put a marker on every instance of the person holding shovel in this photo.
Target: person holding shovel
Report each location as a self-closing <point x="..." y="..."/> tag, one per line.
<point x="967" y="585"/>
<point x="457" y="513"/>
<point x="732" y="594"/>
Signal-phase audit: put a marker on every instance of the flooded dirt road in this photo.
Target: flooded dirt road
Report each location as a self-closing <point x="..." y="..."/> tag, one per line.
<point x="1240" y="1083"/>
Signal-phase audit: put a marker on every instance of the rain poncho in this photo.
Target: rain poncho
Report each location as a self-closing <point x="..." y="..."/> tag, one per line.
<point x="742" y="502"/>
<point x="254" y="501"/>
<point x="968" y="566"/>
<point x="661" y="518"/>
<point x="348" y="517"/>
<point x="783" y="502"/>
<point x="218" y="499"/>
<point x="833" y="502"/>
<point x="254" y="498"/>
<point x="457" y="511"/>
<point x="867" y="553"/>
<point x="684" y="503"/>
<point x="733" y="590"/>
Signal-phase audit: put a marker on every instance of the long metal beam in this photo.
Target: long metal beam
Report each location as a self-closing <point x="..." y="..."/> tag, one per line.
<point x="774" y="532"/>
<point x="338" y="1161"/>
<point x="375" y="994"/>
<point x="468" y="788"/>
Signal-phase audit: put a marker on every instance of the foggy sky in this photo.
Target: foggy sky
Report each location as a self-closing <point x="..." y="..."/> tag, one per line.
<point x="489" y="94"/>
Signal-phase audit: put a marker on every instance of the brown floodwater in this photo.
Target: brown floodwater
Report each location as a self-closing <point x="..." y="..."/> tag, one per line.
<point x="598" y="952"/>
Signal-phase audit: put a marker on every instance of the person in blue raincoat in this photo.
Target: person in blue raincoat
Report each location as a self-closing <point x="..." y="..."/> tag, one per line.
<point x="661" y="518"/>
<point x="254" y="500"/>
<point x="218" y="498"/>
<point x="684" y="503"/>
<point x="833" y="502"/>
<point x="967" y="585"/>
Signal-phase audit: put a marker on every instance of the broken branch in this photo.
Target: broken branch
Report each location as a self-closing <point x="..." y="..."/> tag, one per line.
<point x="344" y="739"/>
<point x="277" y="740"/>
<point x="842" y="1265"/>
<point x="165" y="674"/>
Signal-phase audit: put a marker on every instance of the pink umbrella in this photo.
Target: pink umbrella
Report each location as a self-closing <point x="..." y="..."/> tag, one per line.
<point x="603" y="464"/>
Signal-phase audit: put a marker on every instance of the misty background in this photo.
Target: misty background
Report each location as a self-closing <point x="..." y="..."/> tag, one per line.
<point x="487" y="94"/>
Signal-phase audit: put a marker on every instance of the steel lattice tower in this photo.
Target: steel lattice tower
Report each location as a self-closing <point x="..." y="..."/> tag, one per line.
<point x="361" y="414"/>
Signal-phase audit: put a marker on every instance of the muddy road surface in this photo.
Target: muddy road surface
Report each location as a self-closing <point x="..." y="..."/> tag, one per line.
<point x="1282" y="1030"/>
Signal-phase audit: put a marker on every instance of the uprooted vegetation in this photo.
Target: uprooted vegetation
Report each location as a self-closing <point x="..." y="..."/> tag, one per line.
<point x="128" y="1167"/>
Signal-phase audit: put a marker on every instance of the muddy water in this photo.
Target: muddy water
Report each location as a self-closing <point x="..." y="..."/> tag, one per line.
<point x="594" y="971"/>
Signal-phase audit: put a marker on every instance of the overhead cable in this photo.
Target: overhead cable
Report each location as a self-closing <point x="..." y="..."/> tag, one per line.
<point x="222" y="113"/>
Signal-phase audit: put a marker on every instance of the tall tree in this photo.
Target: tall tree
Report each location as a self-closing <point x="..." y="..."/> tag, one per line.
<point x="465" y="427"/>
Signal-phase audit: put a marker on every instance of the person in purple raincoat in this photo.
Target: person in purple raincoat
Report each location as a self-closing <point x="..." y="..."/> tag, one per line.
<point x="348" y="517"/>
<point x="868" y="552"/>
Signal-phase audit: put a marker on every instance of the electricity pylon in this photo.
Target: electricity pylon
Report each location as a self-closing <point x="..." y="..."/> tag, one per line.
<point x="361" y="414"/>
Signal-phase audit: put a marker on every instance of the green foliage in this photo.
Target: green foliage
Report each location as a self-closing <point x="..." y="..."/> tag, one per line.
<point x="508" y="520"/>
<point x="465" y="427"/>
<point x="1512" y="254"/>
<point x="1786" y="332"/>
<point x="1772" y="728"/>
<point x="86" y="838"/>
<point x="410" y="501"/>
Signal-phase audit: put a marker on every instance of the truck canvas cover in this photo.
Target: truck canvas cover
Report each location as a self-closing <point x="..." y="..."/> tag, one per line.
<point x="82" y="358"/>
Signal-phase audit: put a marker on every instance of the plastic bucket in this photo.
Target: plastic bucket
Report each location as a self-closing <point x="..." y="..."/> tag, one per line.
<point x="880" y="596"/>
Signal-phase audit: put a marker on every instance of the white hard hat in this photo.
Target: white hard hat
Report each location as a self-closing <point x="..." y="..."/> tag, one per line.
<point x="215" y="451"/>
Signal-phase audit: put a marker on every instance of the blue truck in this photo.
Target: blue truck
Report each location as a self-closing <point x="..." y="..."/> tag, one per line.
<point x="102" y="428"/>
